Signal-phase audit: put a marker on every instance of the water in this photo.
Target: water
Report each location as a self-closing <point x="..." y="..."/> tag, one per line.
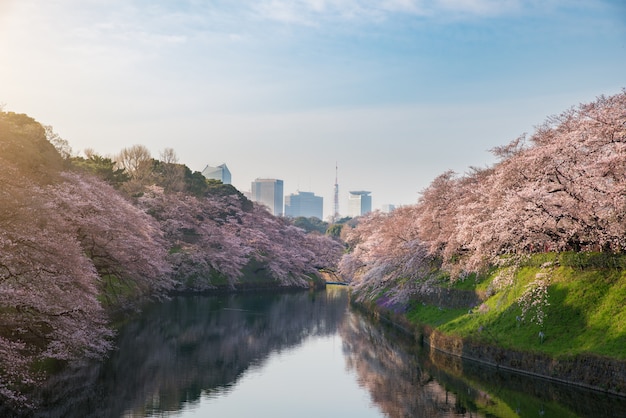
<point x="305" y="354"/>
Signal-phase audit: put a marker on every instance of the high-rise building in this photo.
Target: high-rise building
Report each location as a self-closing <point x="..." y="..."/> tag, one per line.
<point x="270" y="193"/>
<point x="359" y="203"/>
<point x="221" y="172"/>
<point x="387" y="208"/>
<point x="304" y="204"/>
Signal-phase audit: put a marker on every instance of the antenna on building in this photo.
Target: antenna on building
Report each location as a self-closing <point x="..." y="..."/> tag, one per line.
<point x="336" y="197"/>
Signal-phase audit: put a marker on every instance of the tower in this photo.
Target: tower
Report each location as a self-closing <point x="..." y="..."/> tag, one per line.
<point x="336" y="197"/>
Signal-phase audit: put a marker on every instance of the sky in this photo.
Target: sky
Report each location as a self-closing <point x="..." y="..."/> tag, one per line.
<point x="391" y="92"/>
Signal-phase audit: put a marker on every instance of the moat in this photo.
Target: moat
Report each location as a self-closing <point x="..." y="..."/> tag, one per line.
<point x="305" y="354"/>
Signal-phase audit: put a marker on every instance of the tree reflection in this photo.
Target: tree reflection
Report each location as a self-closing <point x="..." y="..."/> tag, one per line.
<point x="194" y="347"/>
<point x="176" y="351"/>
<point x="393" y="375"/>
<point x="407" y="380"/>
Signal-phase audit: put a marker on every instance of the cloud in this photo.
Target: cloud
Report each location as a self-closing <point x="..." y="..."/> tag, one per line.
<point x="481" y="7"/>
<point x="316" y="12"/>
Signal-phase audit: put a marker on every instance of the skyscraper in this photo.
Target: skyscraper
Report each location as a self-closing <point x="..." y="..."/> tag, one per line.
<point x="270" y="193"/>
<point x="359" y="203"/>
<point x="221" y="172"/>
<point x="304" y="204"/>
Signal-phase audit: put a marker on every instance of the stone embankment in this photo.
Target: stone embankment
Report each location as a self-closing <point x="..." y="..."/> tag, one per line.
<point x="588" y="371"/>
<point x="592" y="372"/>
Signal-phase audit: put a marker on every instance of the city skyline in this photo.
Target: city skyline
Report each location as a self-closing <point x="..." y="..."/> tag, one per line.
<point x="395" y="91"/>
<point x="327" y="210"/>
<point x="270" y="201"/>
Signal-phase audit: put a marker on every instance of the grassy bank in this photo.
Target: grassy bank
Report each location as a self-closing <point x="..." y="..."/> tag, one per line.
<point x="577" y="307"/>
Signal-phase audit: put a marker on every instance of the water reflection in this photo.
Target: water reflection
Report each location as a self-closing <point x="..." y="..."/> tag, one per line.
<point x="193" y="349"/>
<point x="390" y="369"/>
<point x="408" y="380"/>
<point x="176" y="351"/>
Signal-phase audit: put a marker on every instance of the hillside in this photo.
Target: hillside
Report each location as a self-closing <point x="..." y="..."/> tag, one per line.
<point x="576" y="307"/>
<point x="84" y="238"/>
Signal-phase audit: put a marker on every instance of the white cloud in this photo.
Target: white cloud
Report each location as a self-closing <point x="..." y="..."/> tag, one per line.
<point x="284" y="12"/>
<point x="480" y="7"/>
<point x="315" y="12"/>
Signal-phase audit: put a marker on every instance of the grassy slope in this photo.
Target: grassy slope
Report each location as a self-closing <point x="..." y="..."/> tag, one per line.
<point x="586" y="313"/>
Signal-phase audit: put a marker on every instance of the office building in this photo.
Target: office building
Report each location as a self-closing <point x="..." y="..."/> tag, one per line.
<point x="268" y="192"/>
<point x="387" y="208"/>
<point x="221" y="172"/>
<point x="304" y="204"/>
<point x="359" y="203"/>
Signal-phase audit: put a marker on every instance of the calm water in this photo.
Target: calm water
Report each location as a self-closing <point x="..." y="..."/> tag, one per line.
<point x="303" y="354"/>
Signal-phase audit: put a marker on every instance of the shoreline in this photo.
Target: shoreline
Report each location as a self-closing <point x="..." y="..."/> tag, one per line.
<point x="591" y="372"/>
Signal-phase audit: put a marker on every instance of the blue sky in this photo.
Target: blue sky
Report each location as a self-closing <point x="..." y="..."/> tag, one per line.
<point x="395" y="92"/>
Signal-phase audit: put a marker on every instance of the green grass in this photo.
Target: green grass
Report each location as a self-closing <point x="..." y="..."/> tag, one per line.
<point x="586" y="313"/>
<point x="432" y="315"/>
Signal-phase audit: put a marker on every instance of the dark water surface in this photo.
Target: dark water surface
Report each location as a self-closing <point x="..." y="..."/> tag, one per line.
<point x="305" y="354"/>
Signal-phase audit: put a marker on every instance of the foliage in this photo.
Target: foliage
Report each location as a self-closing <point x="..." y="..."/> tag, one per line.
<point x="218" y="235"/>
<point x="386" y="254"/>
<point x="195" y="183"/>
<point x="48" y="288"/>
<point x="24" y="145"/>
<point x="101" y="167"/>
<point x="310" y="224"/>
<point x="124" y="244"/>
<point x="61" y="145"/>
<point x="592" y="260"/>
<point x="334" y="230"/>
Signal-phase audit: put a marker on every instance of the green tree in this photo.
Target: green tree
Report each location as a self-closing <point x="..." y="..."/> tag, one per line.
<point x="102" y="167"/>
<point x="334" y="230"/>
<point x="311" y="224"/>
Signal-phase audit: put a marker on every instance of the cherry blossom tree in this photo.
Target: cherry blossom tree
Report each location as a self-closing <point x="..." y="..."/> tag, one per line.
<point x="437" y="205"/>
<point x="326" y="252"/>
<point x="387" y="255"/>
<point x="202" y="235"/>
<point x="123" y="242"/>
<point x="214" y="238"/>
<point x="565" y="191"/>
<point x="48" y="288"/>
<point x="561" y="188"/>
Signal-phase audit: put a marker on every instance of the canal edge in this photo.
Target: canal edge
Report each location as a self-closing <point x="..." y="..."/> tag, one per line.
<point x="588" y="369"/>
